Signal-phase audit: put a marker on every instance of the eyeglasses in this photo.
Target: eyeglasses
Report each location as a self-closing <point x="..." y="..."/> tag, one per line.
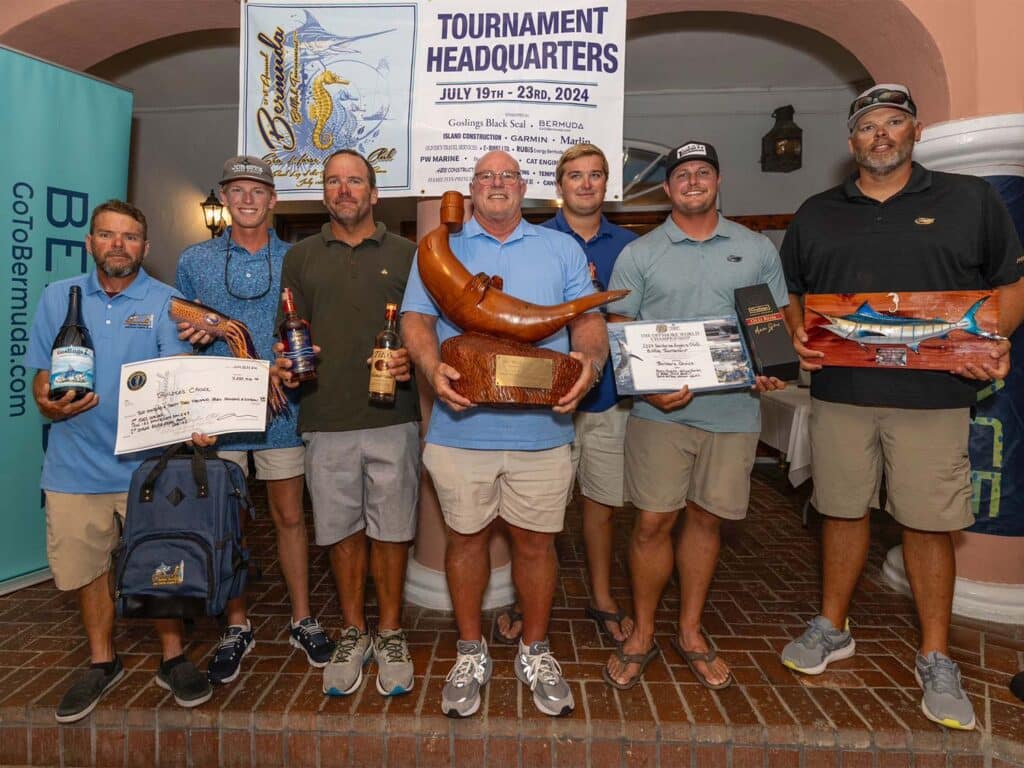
<point x="488" y="177"/>
<point x="242" y="294"/>
<point x="883" y="96"/>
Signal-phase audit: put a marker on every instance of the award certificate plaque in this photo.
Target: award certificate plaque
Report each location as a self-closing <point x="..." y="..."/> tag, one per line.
<point x="923" y="330"/>
<point x="704" y="354"/>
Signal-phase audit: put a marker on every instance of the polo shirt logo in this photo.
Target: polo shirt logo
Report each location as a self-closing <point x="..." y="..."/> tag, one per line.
<point x="734" y="258"/>
<point x="139" y="321"/>
<point x="924" y="221"/>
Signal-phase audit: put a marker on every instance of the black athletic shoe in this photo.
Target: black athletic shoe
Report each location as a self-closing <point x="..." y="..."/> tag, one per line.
<point x="85" y="694"/>
<point x="182" y="678"/>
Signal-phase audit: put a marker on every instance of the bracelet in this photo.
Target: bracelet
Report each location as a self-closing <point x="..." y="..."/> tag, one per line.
<point x="598" y="370"/>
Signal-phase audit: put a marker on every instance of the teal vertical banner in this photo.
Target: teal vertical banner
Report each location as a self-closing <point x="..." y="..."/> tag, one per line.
<point x="64" y="140"/>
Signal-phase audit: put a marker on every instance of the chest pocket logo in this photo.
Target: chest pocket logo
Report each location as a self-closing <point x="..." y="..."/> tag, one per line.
<point x="924" y="221"/>
<point x="734" y="259"/>
<point x="139" y="321"/>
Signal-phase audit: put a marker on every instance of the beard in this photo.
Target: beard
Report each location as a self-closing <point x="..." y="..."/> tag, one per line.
<point x="120" y="270"/>
<point x="883" y="166"/>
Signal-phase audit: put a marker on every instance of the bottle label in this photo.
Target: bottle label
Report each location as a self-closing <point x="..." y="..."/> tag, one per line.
<point x="300" y="350"/>
<point x="72" y="367"/>
<point x="381" y="380"/>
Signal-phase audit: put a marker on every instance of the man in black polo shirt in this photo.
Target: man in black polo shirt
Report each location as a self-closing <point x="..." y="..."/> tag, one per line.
<point x="896" y="226"/>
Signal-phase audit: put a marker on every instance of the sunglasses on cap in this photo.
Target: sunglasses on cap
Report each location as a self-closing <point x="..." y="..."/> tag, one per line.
<point x="882" y="97"/>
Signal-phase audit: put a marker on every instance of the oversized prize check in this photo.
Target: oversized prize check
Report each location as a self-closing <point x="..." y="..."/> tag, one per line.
<point x="163" y="401"/>
<point x="705" y="354"/>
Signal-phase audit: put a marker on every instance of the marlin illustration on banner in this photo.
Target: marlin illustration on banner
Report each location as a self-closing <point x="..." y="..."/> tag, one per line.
<point x="869" y="326"/>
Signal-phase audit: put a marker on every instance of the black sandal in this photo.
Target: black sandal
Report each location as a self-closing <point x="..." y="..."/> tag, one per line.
<point x="513" y="615"/>
<point x="600" y="617"/>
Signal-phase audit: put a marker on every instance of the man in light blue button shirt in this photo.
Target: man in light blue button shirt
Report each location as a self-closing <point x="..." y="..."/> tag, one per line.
<point x="86" y="485"/>
<point x="684" y="450"/>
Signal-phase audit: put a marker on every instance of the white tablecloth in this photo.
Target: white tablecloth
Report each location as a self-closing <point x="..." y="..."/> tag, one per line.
<point x="785" y="418"/>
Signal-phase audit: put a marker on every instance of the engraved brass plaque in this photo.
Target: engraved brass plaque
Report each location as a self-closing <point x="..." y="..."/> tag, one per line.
<point x="517" y="371"/>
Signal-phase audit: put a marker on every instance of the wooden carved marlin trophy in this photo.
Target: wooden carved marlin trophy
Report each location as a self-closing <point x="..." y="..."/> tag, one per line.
<point x="495" y="354"/>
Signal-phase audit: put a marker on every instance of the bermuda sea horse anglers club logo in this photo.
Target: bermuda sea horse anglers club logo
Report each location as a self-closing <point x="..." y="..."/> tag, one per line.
<point x="169" y="575"/>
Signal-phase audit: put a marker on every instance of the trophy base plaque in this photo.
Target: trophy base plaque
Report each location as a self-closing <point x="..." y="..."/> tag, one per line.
<point x="501" y="372"/>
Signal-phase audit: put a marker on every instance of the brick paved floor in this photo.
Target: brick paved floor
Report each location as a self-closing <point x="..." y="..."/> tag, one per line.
<point x="862" y="712"/>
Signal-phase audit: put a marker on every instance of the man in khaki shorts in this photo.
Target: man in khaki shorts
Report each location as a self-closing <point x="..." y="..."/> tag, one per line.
<point x="514" y="464"/>
<point x="893" y="225"/>
<point x="682" y="450"/>
<point x="86" y="485"/>
<point x="581" y="179"/>
<point x="239" y="274"/>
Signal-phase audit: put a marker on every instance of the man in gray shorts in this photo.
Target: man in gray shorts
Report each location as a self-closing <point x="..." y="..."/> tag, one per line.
<point x="239" y="274"/>
<point x="362" y="460"/>
<point x="893" y="225"/>
<point x="686" y="451"/>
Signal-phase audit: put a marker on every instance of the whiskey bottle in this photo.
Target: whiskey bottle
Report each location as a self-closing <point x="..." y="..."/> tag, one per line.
<point x="72" y="358"/>
<point x="297" y="341"/>
<point x="382" y="383"/>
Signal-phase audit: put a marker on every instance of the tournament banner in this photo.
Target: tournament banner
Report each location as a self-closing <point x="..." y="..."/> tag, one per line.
<point x="64" y="140"/>
<point x="423" y="89"/>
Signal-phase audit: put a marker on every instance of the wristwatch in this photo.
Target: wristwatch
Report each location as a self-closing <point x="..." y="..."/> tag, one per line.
<point x="598" y="370"/>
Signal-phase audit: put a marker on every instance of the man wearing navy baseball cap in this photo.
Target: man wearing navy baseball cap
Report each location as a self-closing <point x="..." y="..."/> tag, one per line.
<point x="893" y="225"/>
<point x="684" y="452"/>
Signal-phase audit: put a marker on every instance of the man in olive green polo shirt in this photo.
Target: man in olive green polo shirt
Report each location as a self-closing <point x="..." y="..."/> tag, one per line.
<point x="362" y="460"/>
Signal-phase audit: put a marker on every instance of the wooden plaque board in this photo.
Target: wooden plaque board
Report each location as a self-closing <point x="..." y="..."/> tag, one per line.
<point x="926" y="326"/>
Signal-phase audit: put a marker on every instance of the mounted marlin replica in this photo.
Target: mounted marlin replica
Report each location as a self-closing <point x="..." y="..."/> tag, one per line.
<point x="908" y="321"/>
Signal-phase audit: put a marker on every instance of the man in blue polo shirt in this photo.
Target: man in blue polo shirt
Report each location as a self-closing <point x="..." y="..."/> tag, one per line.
<point x="488" y="463"/>
<point x="684" y="451"/>
<point x="239" y="274"/>
<point x="581" y="179"/>
<point x="86" y="485"/>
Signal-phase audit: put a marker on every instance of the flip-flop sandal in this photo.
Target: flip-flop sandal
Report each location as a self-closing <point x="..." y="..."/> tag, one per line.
<point x="600" y="617"/>
<point x="513" y="616"/>
<point x="643" y="659"/>
<point x="691" y="656"/>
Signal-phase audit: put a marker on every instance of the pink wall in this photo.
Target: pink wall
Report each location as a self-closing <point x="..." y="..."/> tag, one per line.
<point x="960" y="56"/>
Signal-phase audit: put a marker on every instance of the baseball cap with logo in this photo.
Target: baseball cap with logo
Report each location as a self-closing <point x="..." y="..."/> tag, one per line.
<point x="247" y="167"/>
<point x="691" y="150"/>
<point x="892" y="95"/>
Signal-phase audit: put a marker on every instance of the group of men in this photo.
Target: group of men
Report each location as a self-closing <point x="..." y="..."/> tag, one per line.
<point x="670" y="454"/>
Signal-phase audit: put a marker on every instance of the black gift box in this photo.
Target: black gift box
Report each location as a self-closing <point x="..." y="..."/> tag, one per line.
<point x="769" y="343"/>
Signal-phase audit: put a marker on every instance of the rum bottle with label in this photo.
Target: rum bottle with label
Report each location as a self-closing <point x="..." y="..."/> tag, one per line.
<point x="72" y="359"/>
<point x="382" y="383"/>
<point x="297" y="341"/>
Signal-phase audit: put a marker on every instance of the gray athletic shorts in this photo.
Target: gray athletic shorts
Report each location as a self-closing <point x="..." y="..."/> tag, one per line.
<point x="365" y="478"/>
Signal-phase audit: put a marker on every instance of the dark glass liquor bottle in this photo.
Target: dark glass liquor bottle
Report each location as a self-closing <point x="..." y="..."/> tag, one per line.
<point x="297" y="341"/>
<point x="72" y="357"/>
<point x="382" y="383"/>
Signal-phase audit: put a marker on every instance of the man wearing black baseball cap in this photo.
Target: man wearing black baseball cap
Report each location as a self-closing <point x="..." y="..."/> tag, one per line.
<point x="893" y="225"/>
<point x="685" y="451"/>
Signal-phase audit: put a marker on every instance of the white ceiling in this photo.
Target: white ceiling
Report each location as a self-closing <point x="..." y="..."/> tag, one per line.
<point x="673" y="52"/>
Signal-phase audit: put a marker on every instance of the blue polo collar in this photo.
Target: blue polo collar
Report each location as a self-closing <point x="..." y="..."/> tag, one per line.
<point x="137" y="289"/>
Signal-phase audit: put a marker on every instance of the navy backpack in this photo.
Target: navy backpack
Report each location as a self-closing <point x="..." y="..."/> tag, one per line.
<point x="181" y="552"/>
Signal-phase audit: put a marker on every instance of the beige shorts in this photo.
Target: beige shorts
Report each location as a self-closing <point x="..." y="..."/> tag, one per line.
<point x="668" y="464"/>
<point x="527" y="489"/>
<point x="922" y="452"/>
<point x="271" y="463"/>
<point x="81" y="534"/>
<point x="597" y="453"/>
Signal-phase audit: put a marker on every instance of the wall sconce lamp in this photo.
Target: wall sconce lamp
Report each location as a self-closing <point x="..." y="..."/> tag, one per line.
<point x="213" y="214"/>
<point x="782" y="146"/>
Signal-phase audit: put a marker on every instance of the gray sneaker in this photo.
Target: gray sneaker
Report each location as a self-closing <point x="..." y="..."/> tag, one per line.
<point x="344" y="672"/>
<point x="394" y="664"/>
<point x="82" y="697"/>
<point x="944" y="699"/>
<point x="460" y="696"/>
<point x="537" y="668"/>
<point x="818" y="646"/>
